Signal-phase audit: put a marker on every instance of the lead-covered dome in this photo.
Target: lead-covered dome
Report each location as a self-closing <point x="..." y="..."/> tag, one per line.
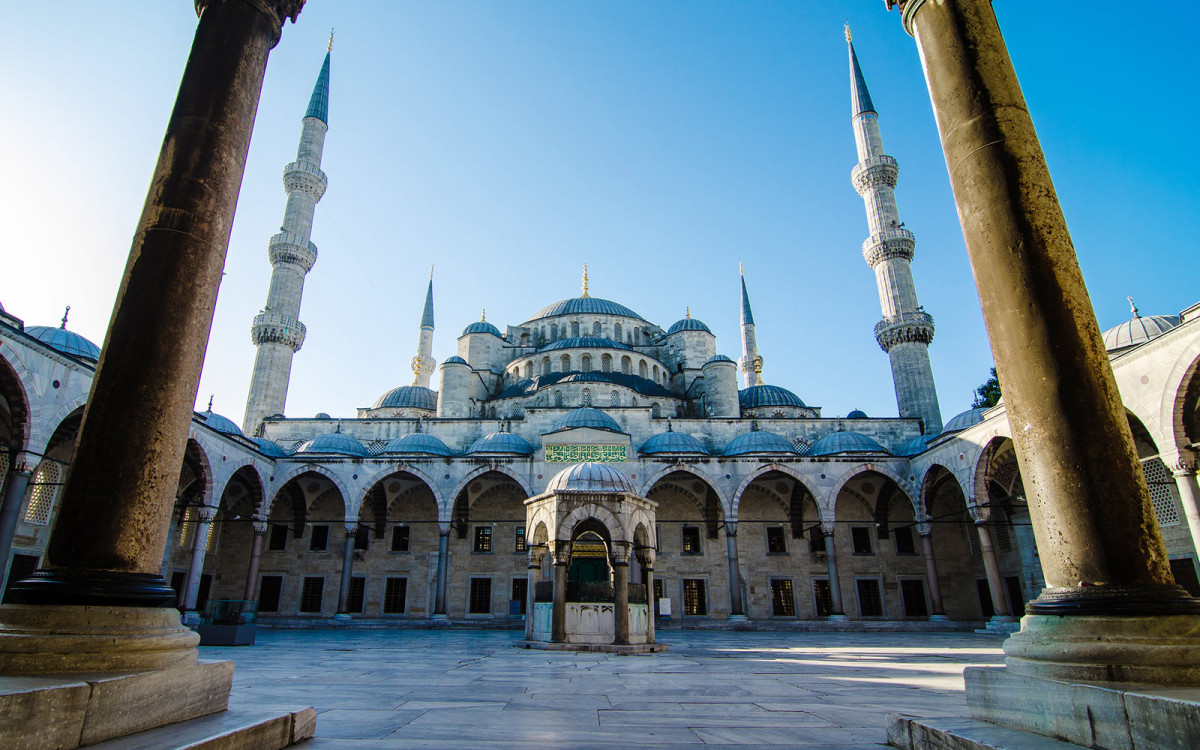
<point x="719" y="358"/>
<point x="966" y="419"/>
<point x="67" y="342"/>
<point x="590" y="477"/>
<point x="408" y="397"/>
<point x="418" y="442"/>
<point x="454" y="359"/>
<point x="687" y="324"/>
<point x="334" y="442"/>
<point x="759" y="441"/>
<point x="269" y="447"/>
<point x="219" y="423"/>
<point x="673" y="442"/>
<point x="1139" y="330"/>
<point x="585" y="342"/>
<point x="482" y="326"/>
<point x="844" y="442"/>
<point x="501" y="442"/>
<point x="586" y="416"/>
<point x="915" y="446"/>
<point x="759" y="396"/>
<point x="584" y="306"/>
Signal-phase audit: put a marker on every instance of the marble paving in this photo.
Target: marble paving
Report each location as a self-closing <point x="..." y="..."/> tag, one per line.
<point x="454" y="689"/>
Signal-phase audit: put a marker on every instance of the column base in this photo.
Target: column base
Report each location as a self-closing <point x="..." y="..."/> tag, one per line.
<point x="341" y="618"/>
<point x="739" y="618"/>
<point x="191" y="619"/>
<point x="1001" y="625"/>
<point x="44" y="639"/>
<point x="939" y="618"/>
<point x="104" y="588"/>
<point x="838" y="618"/>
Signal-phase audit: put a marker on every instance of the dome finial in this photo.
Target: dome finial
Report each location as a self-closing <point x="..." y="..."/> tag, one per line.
<point x="483" y="315"/>
<point x="210" y="400"/>
<point x="846" y="25"/>
<point x="1132" y="308"/>
<point x="741" y="268"/>
<point x="689" y="312"/>
<point x="329" y="48"/>
<point x="585" y="280"/>
<point x="338" y="430"/>
<point x="64" y="320"/>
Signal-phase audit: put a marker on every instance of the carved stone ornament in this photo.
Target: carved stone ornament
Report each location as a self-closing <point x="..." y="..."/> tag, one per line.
<point x="280" y="9"/>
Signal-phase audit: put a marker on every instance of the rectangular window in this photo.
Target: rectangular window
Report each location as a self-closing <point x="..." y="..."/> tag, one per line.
<point x="520" y="591"/>
<point x="483" y="539"/>
<point x="860" y="538"/>
<point x="694" y="600"/>
<point x="395" y="590"/>
<point x="481" y="596"/>
<point x="904" y="541"/>
<point x="311" y="594"/>
<point x="783" y="602"/>
<point x="691" y="540"/>
<point x="870" y="604"/>
<point x="278" y="540"/>
<point x="816" y="540"/>
<point x="269" y="589"/>
<point x="400" y="539"/>
<point x="658" y="589"/>
<point x="319" y="540"/>
<point x="822" y="598"/>
<point x="775" y="541"/>
<point x="362" y="537"/>
<point x="519" y="546"/>
<point x="358" y="588"/>
<point x="913" y="594"/>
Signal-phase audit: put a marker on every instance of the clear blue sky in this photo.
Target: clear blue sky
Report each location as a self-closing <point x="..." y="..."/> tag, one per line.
<point x="658" y="142"/>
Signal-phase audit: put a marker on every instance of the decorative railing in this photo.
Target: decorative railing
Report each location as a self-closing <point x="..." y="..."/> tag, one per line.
<point x="904" y="328"/>
<point x="875" y="170"/>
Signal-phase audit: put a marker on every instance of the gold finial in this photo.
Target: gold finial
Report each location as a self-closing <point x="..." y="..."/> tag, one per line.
<point x="847" y="26"/>
<point x="689" y="311"/>
<point x="65" y="314"/>
<point x="1132" y="308"/>
<point x="330" y="47"/>
<point x="431" y="272"/>
<point x="741" y="270"/>
<point x="483" y="315"/>
<point x="585" y="280"/>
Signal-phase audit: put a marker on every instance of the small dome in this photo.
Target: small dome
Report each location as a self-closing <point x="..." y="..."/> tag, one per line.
<point x="418" y="442"/>
<point x="482" y="326"/>
<point x="673" y="442"/>
<point x="915" y="446"/>
<point x="844" y="442"/>
<point x="759" y="442"/>
<point x="219" y="423"/>
<point x="1138" y="331"/>
<point x="585" y="342"/>
<point x="767" y="395"/>
<point x="67" y="342"/>
<point x="966" y="419"/>
<point x="269" y="447"/>
<point x="586" y="416"/>
<point x="687" y="324"/>
<point x="322" y="415"/>
<point x="455" y="360"/>
<point x="333" y="442"/>
<point x="584" y="305"/>
<point x="408" y="396"/>
<point x="719" y="358"/>
<point x="857" y="414"/>
<point x="501" y="442"/>
<point x="589" y="477"/>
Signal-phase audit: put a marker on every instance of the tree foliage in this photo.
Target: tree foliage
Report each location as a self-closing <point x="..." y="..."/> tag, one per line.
<point x="987" y="394"/>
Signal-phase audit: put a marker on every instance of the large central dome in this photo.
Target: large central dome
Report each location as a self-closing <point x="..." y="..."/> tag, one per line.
<point x="584" y="306"/>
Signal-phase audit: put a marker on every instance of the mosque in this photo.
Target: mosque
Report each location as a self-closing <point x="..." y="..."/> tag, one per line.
<point x="415" y="510"/>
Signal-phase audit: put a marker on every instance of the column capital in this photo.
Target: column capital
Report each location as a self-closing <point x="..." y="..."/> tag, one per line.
<point x="908" y="9"/>
<point x="352" y="529"/>
<point x="827" y="527"/>
<point x="1182" y="463"/>
<point x="731" y="528"/>
<point x="22" y="462"/>
<point x="277" y="11"/>
<point x="535" y="555"/>
<point x="205" y="513"/>
<point x="562" y="552"/>
<point x="646" y="557"/>
<point x="259" y="526"/>
<point x="924" y="528"/>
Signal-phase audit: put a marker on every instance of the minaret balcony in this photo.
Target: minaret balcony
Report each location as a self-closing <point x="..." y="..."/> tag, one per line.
<point x="896" y="242"/>
<point x="873" y="172"/>
<point x="286" y="247"/>
<point x="276" y="328"/>
<point x="306" y="176"/>
<point x="905" y="328"/>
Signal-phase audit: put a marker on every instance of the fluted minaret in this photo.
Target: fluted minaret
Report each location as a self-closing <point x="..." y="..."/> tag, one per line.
<point x="277" y="330"/>
<point x="906" y="329"/>
<point x="423" y="363"/>
<point x="750" y="363"/>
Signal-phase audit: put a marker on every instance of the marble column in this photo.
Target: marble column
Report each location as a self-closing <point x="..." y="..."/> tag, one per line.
<point x="256" y="545"/>
<point x="15" y="483"/>
<point x="562" y="563"/>
<point x="191" y="591"/>
<point x="647" y="562"/>
<point x="443" y="571"/>
<point x="621" y="597"/>
<point x="1183" y="468"/>
<point x="835" y="583"/>
<point x="991" y="567"/>
<point x="1110" y="606"/>
<point x="931" y="573"/>
<point x="533" y="576"/>
<point x="343" y="605"/>
<point x="736" y="610"/>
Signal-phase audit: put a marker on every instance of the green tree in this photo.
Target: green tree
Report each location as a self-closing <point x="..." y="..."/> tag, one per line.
<point x="987" y="394"/>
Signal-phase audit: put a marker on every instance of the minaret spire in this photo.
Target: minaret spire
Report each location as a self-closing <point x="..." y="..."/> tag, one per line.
<point x="750" y="363"/>
<point x="423" y="364"/>
<point x="906" y="329"/>
<point x="277" y="331"/>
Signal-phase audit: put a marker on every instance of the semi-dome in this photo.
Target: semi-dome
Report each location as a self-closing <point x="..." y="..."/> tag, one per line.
<point x="757" y="396"/>
<point x="760" y="441"/>
<point x="844" y="442"/>
<point x="269" y="447"/>
<point x="418" y="442"/>
<point x="687" y="324"/>
<point x="673" y="442"/>
<point x="408" y="397"/>
<point x="584" y="306"/>
<point x="589" y="477"/>
<point x="501" y="442"/>
<point x="67" y="342"/>
<point x="482" y="326"/>
<point x="219" y="423"/>
<point x="334" y="442"/>
<point x="454" y="360"/>
<point x="322" y="415"/>
<point x="857" y="414"/>
<point x="719" y="358"/>
<point x="915" y="446"/>
<point x="966" y="419"/>
<point x="1139" y="330"/>
<point x="586" y="416"/>
<point x="585" y="342"/>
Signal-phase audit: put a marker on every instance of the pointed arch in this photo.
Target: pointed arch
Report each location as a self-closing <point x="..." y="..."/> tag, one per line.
<point x="903" y="482"/>
<point x="695" y="471"/>
<point x="782" y="469"/>
<point x="498" y="468"/>
<point x="348" y="497"/>
<point x="591" y="512"/>
<point x="387" y="471"/>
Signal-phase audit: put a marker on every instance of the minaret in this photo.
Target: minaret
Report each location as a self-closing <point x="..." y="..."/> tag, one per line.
<point x="750" y="363"/>
<point x="906" y="329"/>
<point x="423" y="363"/>
<point x="277" y="330"/>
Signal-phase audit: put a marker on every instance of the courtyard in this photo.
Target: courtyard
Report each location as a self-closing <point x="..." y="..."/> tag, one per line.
<point x="453" y="688"/>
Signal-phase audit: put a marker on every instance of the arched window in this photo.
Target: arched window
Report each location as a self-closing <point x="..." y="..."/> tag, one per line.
<point x="529" y="370"/>
<point x="656" y="373"/>
<point x="655" y="411"/>
<point x="614" y="399"/>
<point x="606" y="363"/>
<point x="492" y="412"/>
<point x="637" y="336"/>
<point x="44" y="487"/>
<point x="617" y="331"/>
<point x="525" y="339"/>
<point x="596" y="329"/>
<point x="585" y="363"/>
<point x="643" y="371"/>
<point x="558" y="398"/>
<point x="554" y="331"/>
<point x="545" y="365"/>
<point x="664" y="379"/>
<point x="575" y="329"/>
<point x="565" y="361"/>
<point x="627" y="365"/>
<point x="587" y="397"/>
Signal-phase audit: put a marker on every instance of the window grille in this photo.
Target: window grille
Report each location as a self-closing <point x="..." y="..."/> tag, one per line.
<point x="400" y="536"/>
<point x="912" y="592"/>
<point x="776" y="545"/>
<point x="558" y="398"/>
<point x="319" y="541"/>
<point x="519" y="546"/>
<point x="614" y="399"/>
<point x="395" y="591"/>
<point x="822" y="598"/>
<point x="44" y="484"/>
<point x="904" y="541"/>
<point x="1162" y="492"/>
<point x="481" y="596"/>
<point x="587" y="397"/>
<point x="596" y="330"/>
<point x="691" y="540"/>
<point x="311" y="593"/>
<point x="358" y="588"/>
<point x="860" y="538"/>
<point x="694" y="600"/>
<point x="575" y="329"/>
<point x="187" y="530"/>
<point x="783" y="602"/>
<point x="483" y="539"/>
<point x="870" y="603"/>
<point x="520" y="592"/>
<point x="278" y="540"/>
<point x="269" y="588"/>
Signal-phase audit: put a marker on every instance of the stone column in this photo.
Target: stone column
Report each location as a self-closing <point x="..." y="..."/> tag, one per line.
<point x="1001" y="614"/>
<point x="443" y="571"/>
<point x="736" y="611"/>
<point x="15" y="484"/>
<point x="533" y="575"/>
<point x="1110" y="605"/>
<point x="260" y="531"/>
<point x="835" y="583"/>
<point x="931" y="573"/>
<point x="562" y="563"/>
<point x="647" y="561"/>
<point x="1183" y="468"/>
<point x="191" y="591"/>
<point x="620" y="563"/>
<point x="347" y="573"/>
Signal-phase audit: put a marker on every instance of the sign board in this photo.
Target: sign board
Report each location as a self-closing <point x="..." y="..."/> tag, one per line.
<point x="574" y="454"/>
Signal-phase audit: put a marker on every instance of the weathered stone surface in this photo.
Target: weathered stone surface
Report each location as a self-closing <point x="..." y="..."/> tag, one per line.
<point x="228" y="730"/>
<point x="1165" y="719"/>
<point x="963" y="734"/>
<point x="41" y="712"/>
<point x="125" y="704"/>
